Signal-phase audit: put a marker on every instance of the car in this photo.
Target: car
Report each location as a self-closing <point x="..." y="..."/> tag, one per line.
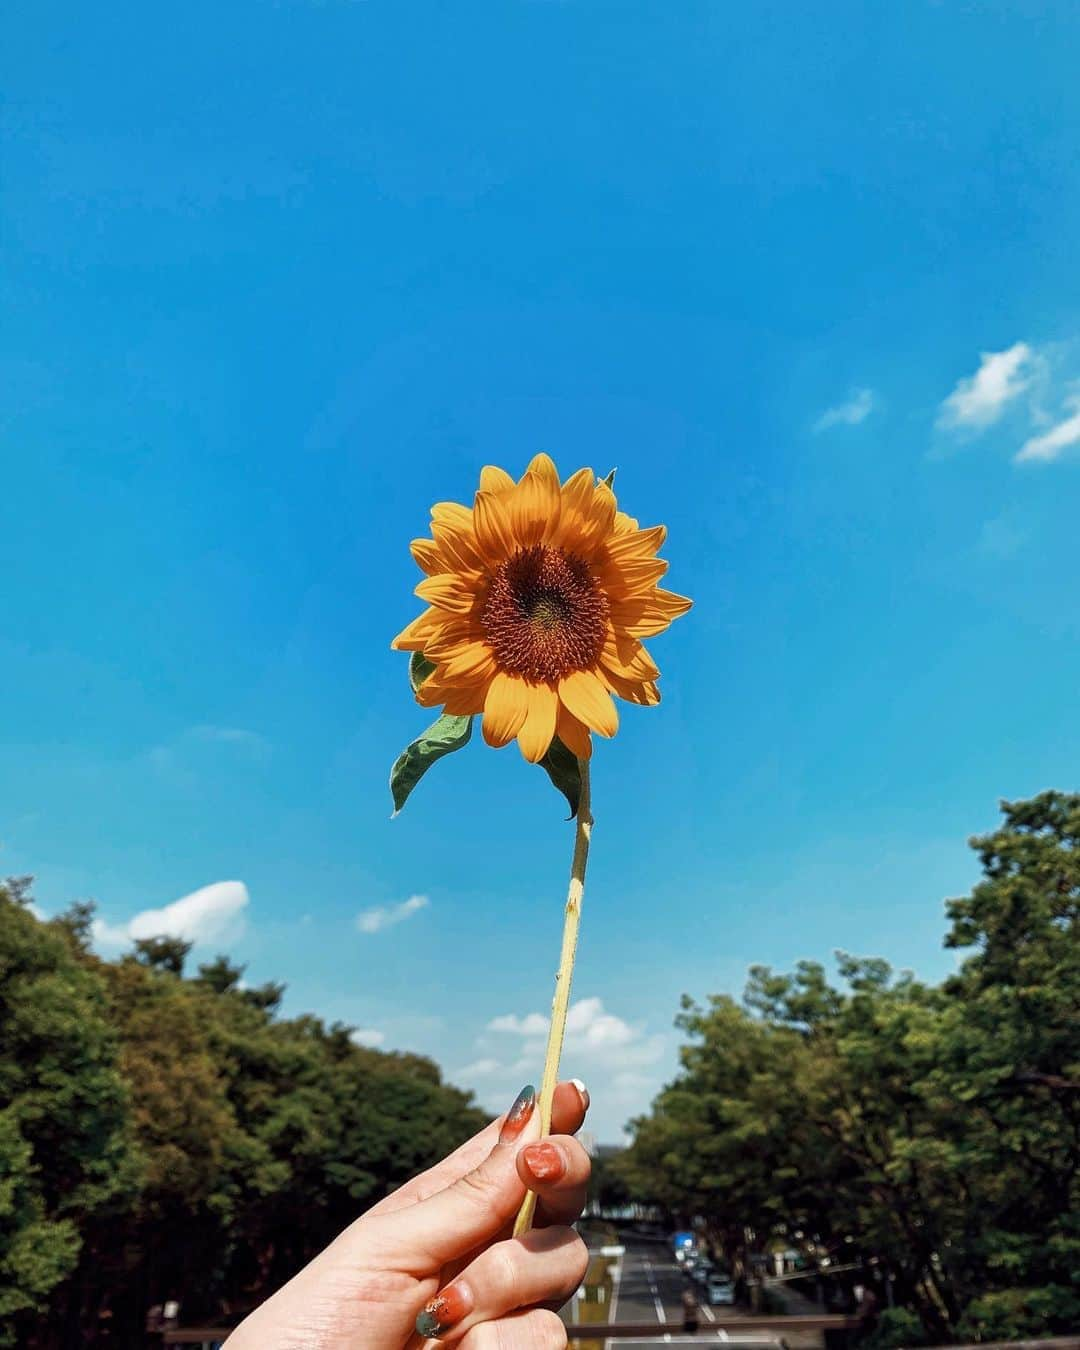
<point x="719" y="1291"/>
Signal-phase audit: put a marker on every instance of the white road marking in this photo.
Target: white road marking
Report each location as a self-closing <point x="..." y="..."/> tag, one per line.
<point x="707" y="1311"/>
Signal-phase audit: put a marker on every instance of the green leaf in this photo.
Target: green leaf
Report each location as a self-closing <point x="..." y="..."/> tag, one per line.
<point x="443" y="737"/>
<point x="609" y="481"/>
<point x="419" y="669"/>
<point x="562" y="768"/>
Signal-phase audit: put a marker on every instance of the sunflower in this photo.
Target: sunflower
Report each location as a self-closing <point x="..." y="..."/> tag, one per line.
<point x="539" y="597"/>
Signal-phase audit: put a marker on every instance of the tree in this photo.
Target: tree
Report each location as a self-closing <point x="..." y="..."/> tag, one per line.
<point x="935" y="1130"/>
<point x="66" y="1152"/>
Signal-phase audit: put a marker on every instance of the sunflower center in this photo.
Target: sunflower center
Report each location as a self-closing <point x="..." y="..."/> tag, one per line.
<point x="544" y="615"/>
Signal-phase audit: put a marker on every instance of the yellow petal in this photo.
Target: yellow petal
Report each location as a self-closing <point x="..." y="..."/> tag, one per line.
<point x="462" y="700"/>
<point x="643" y="692"/>
<point x="624" y="524"/>
<point x="534" y="738"/>
<point x="447" y="591"/>
<point x="648" y="614"/>
<point x="412" y="637"/>
<point x="452" y="513"/>
<point x="627" y="658"/>
<point x="469" y="662"/>
<point x="636" y="543"/>
<point x="494" y="479"/>
<point x="534" y="507"/>
<point x="505" y="709"/>
<point x="631" y="577"/>
<point x="428" y="556"/>
<point x="573" y="734"/>
<point x="493" y="530"/>
<point x="577" y="495"/>
<point x="544" y="465"/>
<point x="459" y="546"/>
<point x="585" y="696"/>
<point x="451" y="635"/>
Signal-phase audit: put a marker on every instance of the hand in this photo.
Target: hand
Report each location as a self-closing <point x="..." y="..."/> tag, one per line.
<point x="437" y="1259"/>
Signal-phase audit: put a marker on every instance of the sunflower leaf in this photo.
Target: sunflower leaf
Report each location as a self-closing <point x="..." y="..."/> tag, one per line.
<point x="419" y="669"/>
<point x="609" y="481"/>
<point x="561" y="766"/>
<point x="443" y="737"/>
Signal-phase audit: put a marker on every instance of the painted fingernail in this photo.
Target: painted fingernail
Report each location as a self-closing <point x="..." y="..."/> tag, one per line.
<point x="519" y="1115"/>
<point x="445" y="1310"/>
<point x="583" y="1091"/>
<point x="544" y="1161"/>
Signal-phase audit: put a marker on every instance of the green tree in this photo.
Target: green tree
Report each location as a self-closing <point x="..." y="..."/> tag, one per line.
<point x="935" y="1130"/>
<point x="65" y="1144"/>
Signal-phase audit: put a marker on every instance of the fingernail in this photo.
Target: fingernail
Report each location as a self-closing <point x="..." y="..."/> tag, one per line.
<point x="583" y="1091"/>
<point x="519" y="1115"/>
<point x="445" y="1310"/>
<point x="544" y="1161"/>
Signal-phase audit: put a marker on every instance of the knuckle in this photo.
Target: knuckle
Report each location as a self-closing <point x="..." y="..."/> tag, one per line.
<point x="477" y="1188"/>
<point x="550" y="1332"/>
<point x="506" y="1271"/>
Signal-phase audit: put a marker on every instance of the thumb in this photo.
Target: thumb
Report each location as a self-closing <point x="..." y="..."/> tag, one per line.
<point x="475" y="1207"/>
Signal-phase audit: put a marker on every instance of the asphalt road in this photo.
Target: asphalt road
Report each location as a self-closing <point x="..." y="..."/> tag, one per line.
<point x="651" y="1289"/>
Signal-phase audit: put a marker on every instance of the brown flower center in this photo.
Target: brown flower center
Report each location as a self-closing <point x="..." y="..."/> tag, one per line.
<point x="544" y="614"/>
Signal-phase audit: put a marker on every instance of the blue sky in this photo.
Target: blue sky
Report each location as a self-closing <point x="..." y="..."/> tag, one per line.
<point x="277" y="277"/>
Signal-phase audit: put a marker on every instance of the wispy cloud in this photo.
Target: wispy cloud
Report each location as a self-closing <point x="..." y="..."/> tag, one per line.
<point x="239" y="736"/>
<point x="385" y="916"/>
<point x="214" y="913"/>
<point x="856" y="409"/>
<point x="368" y="1037"/>
<point x="480" y="1068"/>
<point x="1050" y="445"/>
<point x="979" y="400"/>
<point x="1001" y="538"/>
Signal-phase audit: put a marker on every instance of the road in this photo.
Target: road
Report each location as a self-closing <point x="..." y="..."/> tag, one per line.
<point x="651" y="1289"/>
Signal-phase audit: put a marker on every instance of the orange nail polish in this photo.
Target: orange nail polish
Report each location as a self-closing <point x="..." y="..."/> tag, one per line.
<point x="544" y="1162"/>
<point x="446" y="1310"/>
<point x="519" y="1115"/>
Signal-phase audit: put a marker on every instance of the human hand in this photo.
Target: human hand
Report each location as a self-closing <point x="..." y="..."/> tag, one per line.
<point x="437" y="1259"/>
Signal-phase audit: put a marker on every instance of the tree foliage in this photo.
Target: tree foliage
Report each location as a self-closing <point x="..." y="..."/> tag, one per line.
<point x="932" y="1131"/>
<point x="170" y="1137"/>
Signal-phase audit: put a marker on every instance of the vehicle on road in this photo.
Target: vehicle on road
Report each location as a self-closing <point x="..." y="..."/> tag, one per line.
<point x="719" y="1292"/>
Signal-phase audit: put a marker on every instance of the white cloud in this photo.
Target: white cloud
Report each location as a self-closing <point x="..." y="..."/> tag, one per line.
<point x="849" y="414"/>
<point x="1050" y="444"/>
<point x="213" y="913"/>
<point x="622" y="1063"/>
<point x="480" y="1068"/>
<point x="978" y="401"/>
<point x="590" y="1031"/>
<point x="534" y="1024"/>
<point x="367" y="1036"/>
<point x="385" y="916"/>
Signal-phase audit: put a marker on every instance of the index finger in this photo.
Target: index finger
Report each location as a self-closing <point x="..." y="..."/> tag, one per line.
<point x="568" y="1108"/>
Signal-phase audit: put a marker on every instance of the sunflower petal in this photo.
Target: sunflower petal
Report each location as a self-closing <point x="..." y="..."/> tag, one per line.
<point x="627" y="658"/>
<point x="428" y="556"/>
<point x="645" y="693"/>
<point x="636" y="543"/>
<point x="573" y="734"/>
<point x="599" y="518"/>
<point x="505" y="709"/>
<point x="494" y="532"/>
<point x="494" y="479"/>
<point x="577" y="493"/>
<point x="538" y="728"/>
<point x="452" y="513"/>
<point x="447" y="591"/>
<point x="458" y="545"/>
<point x="412" y="636"/>
<point x="631" y="576"/>
<point x="534" y="506"/>
<point x="470" y="661"/>
<point x="584" y="695"/>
